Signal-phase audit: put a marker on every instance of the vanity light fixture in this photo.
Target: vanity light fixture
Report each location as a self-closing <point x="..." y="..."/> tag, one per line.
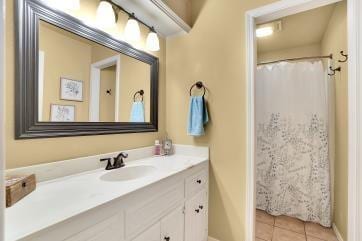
<point x="106" y="16"/>
<point x="152" y="41"/>
<point x="132" y="31"/>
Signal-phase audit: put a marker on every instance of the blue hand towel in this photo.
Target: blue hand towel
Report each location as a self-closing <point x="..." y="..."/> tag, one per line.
<point x="137" y="112"/>
<point x="198" y="116"/>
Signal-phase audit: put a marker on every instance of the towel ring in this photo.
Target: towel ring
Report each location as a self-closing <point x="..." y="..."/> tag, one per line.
<point x="140" y="92"/>
<point x="198" y="85"/>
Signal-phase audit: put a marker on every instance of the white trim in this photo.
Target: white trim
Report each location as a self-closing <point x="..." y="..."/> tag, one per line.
<point x="285" y="8"/>
<point x="172" y="15"/>
<point x="95" y="86"/>
<point x="156" y="13"/>
<point x="336" y="231"/>
<point x="354" y="120"/>
<point x="2" y="117"/>
<point x="41" y="85"/>
<point x="281" y="9"/>
<point x="250" y="173"/>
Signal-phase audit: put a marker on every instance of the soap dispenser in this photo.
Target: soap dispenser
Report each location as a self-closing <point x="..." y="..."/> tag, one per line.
<point x="157" y="148"/>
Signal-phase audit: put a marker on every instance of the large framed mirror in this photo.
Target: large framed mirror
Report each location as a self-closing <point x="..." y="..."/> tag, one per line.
<point x="73" y="79"/>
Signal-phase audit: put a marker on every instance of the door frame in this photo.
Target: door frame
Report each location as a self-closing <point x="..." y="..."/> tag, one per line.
<point x="95" y="80"/>
<point x="278" y="10"/>
<point x="2" y="118"/>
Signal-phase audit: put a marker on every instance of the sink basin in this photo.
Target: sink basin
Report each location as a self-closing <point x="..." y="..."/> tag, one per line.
<point x="128" y="173"/>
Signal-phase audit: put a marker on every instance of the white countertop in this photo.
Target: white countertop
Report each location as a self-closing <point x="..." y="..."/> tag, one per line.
<point x="62" y="198"/>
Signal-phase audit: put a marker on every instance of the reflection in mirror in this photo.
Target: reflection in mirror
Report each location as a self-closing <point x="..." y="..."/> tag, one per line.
<point x="83" y="81"/>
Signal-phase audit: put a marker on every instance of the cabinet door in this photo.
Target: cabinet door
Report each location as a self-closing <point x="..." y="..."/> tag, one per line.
<point x="172" y="226"/>
<point x="196" y="217"/>
<point x="151" y="234"/>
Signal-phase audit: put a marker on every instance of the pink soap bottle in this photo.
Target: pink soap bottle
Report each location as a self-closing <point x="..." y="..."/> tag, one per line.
<point x="157" y="148"/>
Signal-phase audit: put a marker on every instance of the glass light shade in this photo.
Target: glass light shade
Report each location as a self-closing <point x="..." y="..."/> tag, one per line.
<point x="65" y="4"/>
<point x="152" y="42"/>
<point x="105" y="15"/>
<point x="264" y="31"/>
<point x="132" y="31"/>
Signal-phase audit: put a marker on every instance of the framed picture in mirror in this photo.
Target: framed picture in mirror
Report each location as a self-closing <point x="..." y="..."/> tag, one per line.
<point x="62" y="113"/>
<point x="71" y="89"/>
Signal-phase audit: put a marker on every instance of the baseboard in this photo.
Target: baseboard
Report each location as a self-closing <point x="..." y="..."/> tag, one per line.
<point x="336" y="231"/>
<point x="212" y="239"/>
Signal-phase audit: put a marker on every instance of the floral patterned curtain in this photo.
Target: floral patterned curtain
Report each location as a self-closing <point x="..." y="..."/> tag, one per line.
<point x="292" y="159"/>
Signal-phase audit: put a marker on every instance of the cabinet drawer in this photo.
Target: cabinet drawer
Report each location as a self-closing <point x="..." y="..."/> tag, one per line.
<point x="196" y="182"/>
<point x="153" y="209"/>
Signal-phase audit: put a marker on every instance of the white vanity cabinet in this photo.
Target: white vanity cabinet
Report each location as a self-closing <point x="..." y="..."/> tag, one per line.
<point x="170" y="228"/>
<point x="196" y="217"/>
<point x="186" y="222"/>
<point x="109" y="229"/>
<point x="172" y="209"/>
<point x="151" y="234"/>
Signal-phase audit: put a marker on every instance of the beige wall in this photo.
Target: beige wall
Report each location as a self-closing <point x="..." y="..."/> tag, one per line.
<point x="182" y="8"/>
<point x="71" y="59"/>
<point x="214" y="52"/>
<point x="335" y="40"/>
<point x="297" y="52"/>
<point x="100" y="53"/>
<point x="28" y="152"/>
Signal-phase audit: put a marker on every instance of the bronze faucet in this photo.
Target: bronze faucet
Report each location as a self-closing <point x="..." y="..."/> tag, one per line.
<point x="117" y="161"/>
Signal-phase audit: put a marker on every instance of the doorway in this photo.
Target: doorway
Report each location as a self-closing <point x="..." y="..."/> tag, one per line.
<point x="274" y="12"/>
<point x="2" y="116"/>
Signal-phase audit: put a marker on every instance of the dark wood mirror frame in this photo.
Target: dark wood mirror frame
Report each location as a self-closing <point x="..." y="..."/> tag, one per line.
<point x="27" y="17"/>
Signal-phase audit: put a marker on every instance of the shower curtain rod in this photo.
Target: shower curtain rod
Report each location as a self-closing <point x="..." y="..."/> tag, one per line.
<point x="301" y="58"/>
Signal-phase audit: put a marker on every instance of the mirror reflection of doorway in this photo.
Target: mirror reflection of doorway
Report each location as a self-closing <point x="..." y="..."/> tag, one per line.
<point x="107" y="94"/>
<point x="105" y="76"/>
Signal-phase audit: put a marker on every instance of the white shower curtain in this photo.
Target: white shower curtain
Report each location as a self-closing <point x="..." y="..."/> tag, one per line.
<point x="292" y="162"/>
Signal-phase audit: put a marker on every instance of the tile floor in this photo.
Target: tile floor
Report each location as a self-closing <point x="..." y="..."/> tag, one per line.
<point x="283" y="228"/>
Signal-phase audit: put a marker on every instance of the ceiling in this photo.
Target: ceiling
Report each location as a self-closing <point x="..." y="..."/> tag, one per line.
<point x="297" y="30"/>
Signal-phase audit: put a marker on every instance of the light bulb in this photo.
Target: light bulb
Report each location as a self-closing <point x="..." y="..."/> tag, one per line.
<point x="152" y="41"/>
<point x="264" y="31"/>
<point x="65" y="4"/>
<point x="105" y="15"/>
<point x="132" y="31"/>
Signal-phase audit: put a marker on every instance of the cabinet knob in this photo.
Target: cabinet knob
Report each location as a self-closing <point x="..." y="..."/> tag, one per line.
<point x="198" y="181"/>
<point x="167" y="238"/>
<point x="201" y="207"/>
<point x="197" y="210"/>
